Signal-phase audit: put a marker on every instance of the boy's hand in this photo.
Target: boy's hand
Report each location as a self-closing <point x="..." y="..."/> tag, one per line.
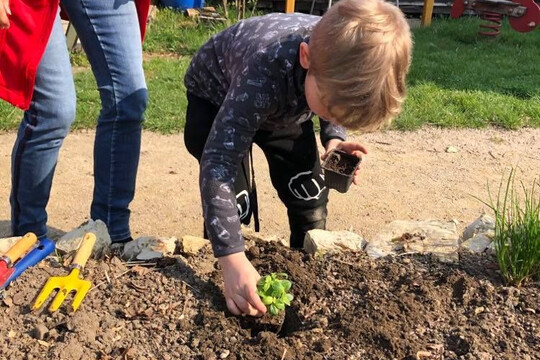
<point x="4" y="12"/>
<point x="349" y="147"/>
<point x="240" y="281"/>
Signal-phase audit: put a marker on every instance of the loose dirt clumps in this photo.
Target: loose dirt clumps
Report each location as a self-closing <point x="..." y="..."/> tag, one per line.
<point x="346" y="306"/>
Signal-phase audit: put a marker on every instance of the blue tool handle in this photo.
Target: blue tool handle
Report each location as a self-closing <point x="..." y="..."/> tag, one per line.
<point x="46" y="246"/>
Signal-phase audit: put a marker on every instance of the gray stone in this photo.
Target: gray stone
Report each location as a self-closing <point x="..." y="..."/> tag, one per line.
<point x="191" y="245"/>
<point x="423" y="237"/>
<point x="491" y="248"/>
<point x="71" y="241"/>
<point x="478" y="310"/>
<point x="149" y="247"/>
<point x="40" y="331"/>
<point x="484" y="224"/>
<point x="478" y="243"/>
<point x="321" y="241"/>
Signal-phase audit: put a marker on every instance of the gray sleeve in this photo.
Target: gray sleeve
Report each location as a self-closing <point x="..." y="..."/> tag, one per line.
<point x="330" y="131"/>
<point x="249" y="101"/>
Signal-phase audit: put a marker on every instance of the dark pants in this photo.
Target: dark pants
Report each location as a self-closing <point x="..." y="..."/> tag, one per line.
<point x="293" y="160"/>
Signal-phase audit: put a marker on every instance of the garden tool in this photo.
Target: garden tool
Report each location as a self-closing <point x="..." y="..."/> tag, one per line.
<point x="13" y="254"/>
<point x="45" y="248"/>
<point x="70" y="283"/>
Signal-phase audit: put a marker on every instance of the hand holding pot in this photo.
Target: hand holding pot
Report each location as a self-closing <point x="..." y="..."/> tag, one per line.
<point x="4" y="12"/>
<point x="349" y="147"/>
<point x="240" y="282"/>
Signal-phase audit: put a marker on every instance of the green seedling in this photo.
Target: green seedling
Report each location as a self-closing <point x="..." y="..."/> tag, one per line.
<point x="273" y="290"/>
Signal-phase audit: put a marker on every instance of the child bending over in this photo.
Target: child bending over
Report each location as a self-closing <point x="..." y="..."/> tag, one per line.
<point x="261" y="81"/>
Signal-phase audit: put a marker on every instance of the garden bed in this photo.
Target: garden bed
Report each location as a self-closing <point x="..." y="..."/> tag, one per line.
<point x="346" y="306"/>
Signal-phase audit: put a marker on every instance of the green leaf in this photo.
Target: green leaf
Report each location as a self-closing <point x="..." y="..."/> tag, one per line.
<point x="285" y="299"/>
<point x="273" y="292"/>
<point x="277" y="289"/>
<point x="286" y="284"/>
<point x="267" y="284"/>
<point x="267" y="300"/>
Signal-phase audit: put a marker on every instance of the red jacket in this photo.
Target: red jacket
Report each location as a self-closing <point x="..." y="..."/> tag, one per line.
<point x="23" y="45"/>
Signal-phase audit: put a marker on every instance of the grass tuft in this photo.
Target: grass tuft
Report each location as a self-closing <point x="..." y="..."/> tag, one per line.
<point x="517" y="230"/>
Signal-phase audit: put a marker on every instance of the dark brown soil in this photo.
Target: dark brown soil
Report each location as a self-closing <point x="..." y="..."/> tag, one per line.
<point x="341" y="163"/>
<point x="346" y="306"/>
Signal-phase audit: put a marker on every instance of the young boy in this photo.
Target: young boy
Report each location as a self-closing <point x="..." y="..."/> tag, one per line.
<point x="261" y="81"/>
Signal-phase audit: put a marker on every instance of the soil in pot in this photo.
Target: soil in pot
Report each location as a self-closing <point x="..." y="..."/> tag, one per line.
<point x="339" y="168"/>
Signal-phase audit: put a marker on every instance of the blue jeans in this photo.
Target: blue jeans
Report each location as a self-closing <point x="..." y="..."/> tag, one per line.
<point x="110" y="35"/>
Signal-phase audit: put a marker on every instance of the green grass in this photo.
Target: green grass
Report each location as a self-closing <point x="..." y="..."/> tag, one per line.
<point x="171" y="32"/>
<point x="10" y="117"/>
<point x="167" y="105"/>
<point x="460" y="79"/>
<point x="167" y="102"/>
<point x="457" y="78"/>
<point x="517" y="230"/>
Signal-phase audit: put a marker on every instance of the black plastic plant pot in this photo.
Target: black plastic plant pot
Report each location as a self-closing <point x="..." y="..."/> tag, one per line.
<point x="339" y="168"/>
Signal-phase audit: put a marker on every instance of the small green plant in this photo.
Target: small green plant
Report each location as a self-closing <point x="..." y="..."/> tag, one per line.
<point x="517" y="230"/>
<point x="273" y="290"/>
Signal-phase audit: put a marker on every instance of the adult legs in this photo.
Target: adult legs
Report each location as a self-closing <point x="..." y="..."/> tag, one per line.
<point x="41" y="133"/>
<point x="110" y="35"/>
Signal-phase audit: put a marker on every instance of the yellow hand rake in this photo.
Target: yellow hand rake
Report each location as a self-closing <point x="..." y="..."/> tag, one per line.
<point x="70" y="283"/>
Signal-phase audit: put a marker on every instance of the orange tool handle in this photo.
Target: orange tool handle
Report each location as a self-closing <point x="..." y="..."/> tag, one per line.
<point x="85" y="250"/>
<point x="21" y="247"/>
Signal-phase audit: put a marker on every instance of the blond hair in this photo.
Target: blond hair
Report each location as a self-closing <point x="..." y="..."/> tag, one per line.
<point x="359" y="55"/>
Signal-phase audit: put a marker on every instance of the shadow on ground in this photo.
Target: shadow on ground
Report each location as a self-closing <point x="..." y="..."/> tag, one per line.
<point x="5" y="230"/>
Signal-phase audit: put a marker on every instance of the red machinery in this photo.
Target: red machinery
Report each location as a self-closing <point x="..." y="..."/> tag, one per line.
<point x="524" y="15"/>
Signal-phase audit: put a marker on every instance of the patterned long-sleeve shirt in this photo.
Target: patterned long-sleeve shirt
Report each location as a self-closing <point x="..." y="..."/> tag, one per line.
<point x="252" y="72"/>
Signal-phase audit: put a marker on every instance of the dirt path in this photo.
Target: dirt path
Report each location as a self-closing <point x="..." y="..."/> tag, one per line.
<point x="406" y="176"/>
